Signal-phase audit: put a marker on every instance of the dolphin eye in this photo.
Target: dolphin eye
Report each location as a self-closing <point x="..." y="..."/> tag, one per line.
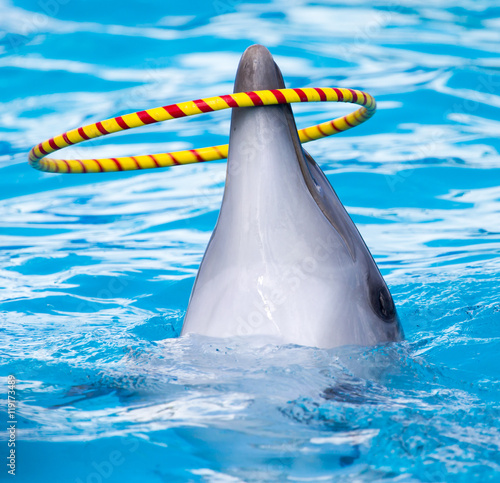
<point x="383" y="304"/>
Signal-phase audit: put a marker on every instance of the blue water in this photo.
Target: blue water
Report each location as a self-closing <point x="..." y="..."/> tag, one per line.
<point x="96" y="270"/>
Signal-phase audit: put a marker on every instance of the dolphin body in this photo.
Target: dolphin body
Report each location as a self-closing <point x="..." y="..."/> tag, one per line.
<point x="285" y="261"/>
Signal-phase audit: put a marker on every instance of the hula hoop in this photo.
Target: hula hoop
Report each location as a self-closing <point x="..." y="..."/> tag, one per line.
<point x="193" y="108"/>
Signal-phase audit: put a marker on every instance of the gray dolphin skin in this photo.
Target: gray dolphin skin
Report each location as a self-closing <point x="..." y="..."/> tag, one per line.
<point x="285" y="261"/>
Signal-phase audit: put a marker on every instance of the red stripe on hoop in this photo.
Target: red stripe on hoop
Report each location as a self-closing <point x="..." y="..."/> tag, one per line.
<point x="154" y="160"/>
<point x="280" y="97"/>
<point x="257" y="101"/>
<point x="202" y="105"/>
<point x="40" y="148"/>
<point x="121" y="122"/>
<point x="321" y="93"/>
<point x="66" y="138"/>
<point x="173" y="158"/>
<point x="145" y="117"/>
<point x="354" y="95"/>
<point x="101" y="128"/>
<point x="81" y="132"/>
<point x="34" y="155"/>
<point x="198" y="157"/>
<point x="174" y="110"/>
<point x="347" y="122"/>
<point x="118" y="165"/>
<point x="219" y="153"/>
<point x="99" y="164"/>
<point x="84" y="168"/>
<point x="307" y="135"/>
<point x="136" y="162"/>
<point x="302" y="95"/>
<point x="321" y="130"/>
<point x="228" y="99"/>
<point x="53" y="144"/>
<point x="67" y="164"/>
<point x="339" y="94"/>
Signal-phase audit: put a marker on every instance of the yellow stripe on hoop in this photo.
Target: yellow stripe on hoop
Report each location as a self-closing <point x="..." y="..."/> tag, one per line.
<point x="37" y="155"/>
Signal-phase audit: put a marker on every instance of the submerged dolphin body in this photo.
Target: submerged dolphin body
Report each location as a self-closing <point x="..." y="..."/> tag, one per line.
<point x="285" y="260"/>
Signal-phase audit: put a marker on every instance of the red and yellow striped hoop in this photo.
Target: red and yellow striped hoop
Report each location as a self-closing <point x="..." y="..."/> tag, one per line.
<point x="191" y="108"/>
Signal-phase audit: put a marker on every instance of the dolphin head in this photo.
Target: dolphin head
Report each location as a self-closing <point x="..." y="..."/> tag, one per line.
<point x="285" y="261"/>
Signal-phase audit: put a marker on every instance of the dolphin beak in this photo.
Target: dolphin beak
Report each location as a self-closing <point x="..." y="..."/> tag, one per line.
<point x="285" y="260"/>
<point x="257" y="71"/>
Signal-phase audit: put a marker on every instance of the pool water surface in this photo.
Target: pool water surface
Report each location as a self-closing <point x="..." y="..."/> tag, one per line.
<point x="96" y="270"/>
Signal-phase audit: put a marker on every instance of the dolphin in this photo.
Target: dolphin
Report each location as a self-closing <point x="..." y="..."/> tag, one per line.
<point x="285" y="261"/>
